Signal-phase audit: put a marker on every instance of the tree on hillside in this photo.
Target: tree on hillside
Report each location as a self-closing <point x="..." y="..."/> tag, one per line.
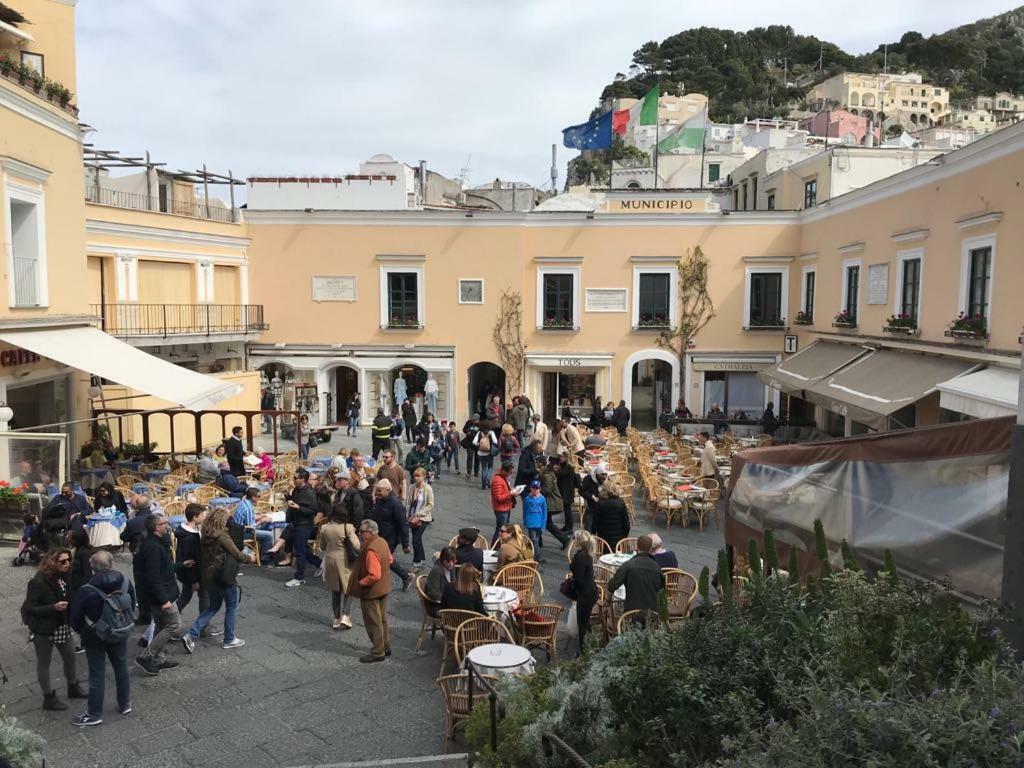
<point x="695" y="309"/>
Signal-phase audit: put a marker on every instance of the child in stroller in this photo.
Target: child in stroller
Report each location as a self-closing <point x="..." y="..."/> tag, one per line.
<point x="32" y="544"/>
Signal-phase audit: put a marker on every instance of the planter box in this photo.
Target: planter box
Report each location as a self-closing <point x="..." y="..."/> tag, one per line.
<point x="966" y="335"/>
<point x="766" y="328"/>
<point x="844" y="325"/>
<point x="900" y="330"/>
<point x="804" y="322"/>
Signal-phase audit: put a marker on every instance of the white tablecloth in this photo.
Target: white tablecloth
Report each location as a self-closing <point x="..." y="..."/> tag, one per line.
<point x="490" y="563"/>
<point x="615" y="560"/>
<point x="500" y="600"/>
<point x="499" y="659"/>
<point x="104" y="535"/>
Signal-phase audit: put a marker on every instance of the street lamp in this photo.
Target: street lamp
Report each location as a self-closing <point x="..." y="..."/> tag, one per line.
<point x="6" y="414"/>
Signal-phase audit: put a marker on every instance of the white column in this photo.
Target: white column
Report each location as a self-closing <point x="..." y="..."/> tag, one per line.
<point x="323" y="387"/>
<point x="243" y="283"/>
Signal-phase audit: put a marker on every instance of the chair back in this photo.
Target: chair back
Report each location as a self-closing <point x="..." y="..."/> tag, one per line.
<point x="425" y="601"/>
<point x="176" y="507"/>
<point x="321" y="453"/>
<point x="450" y="619"/>
<point x="524" y="578"/>
<point x="455" y="690"/>
<point x="204" y="493"/>
<point x="639" y="618"/>
<point x="602" y="574"/>
<point x="680" y="589"/>
<point x="626" y="546"/>
<point x="480" y="630"/>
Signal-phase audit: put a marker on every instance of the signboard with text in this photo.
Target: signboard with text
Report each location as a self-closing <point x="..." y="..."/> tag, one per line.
<point x="334" y="288"/>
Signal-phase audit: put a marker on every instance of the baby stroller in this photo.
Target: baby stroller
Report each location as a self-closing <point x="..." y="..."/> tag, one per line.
<point x="32" y="545"/>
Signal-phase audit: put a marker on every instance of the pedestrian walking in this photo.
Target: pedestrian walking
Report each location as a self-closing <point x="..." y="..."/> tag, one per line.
<point x="160" y="588"/>
<point x="486" y="443"/>
<point x="103" y="613"/>
<point x="340" y="545"/>
<point x="568" y="483"/>
<point x="469" y="433"/>
<point x="186" y="558"/>
<point x="621" y="417"/>
<point x="371" y="584"/>
<point x="553" y="496"/>
<point x="420" y="509"/>
<point x="611" y="516"/>
<point x="355" y="405"/>
<point x="535" y="517"/>
<point x="392" y="526"/>
<point x="380" y="433"/>
<point x="302" y="509"/>
<point x="45" y="613"/>
<point x="584" y="588"/>
<point x="503" y="498"/>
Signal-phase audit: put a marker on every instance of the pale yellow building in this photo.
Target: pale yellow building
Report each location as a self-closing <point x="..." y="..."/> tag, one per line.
<point x="892" y="99"/>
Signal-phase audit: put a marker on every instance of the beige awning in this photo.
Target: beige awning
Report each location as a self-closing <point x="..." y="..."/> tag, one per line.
<point x="13" y="30"/>
<point x="877" y="385"/>
<point x="810" y="365"/>
<point x="986" y="394"/>
<point x="90" y="349"/>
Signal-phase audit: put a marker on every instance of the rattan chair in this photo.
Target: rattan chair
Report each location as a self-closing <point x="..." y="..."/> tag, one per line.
<point x="538" y="627"/>
<point x="431" y="622"/>
<point x="477" y="631"/>
<point x="611" y="612"/>
<point x="670" y="505"/>
<point x="450" y="619"/>
<point x="602" y="575"/>
<point x="455" y="690"/>
<point x="626" y="546"/>
<point x="480" y="543"/>
<point x="680" y="589"/>
<point x="204" y="493"/>
<point x="172" y="508"/>
<point x="707" y="504"/>
<point x="639" y="618"/>
<point x="525" y="579"/>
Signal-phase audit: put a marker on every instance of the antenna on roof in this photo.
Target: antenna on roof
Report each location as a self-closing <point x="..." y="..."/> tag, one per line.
<point x="464" y="173"/>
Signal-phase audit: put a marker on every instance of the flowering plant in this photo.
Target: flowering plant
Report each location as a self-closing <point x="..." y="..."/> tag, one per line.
<point x="845" y="318"/>
<point x="653" y="321"/>
<point x="13" y="495"/>
<point x="974" y="325"/>
<point x="803" y="318"/>
<point x="552" y="322"/>
<point x="902" y="320"/>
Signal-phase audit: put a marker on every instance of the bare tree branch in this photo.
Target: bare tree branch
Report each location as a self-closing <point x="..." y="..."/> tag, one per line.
<point x="695" y="308"/>
<point x="508" y="338"/>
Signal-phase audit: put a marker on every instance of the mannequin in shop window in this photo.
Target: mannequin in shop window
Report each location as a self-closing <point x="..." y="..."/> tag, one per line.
<point x="430" y="392"/>
<point x="401" y="389"/>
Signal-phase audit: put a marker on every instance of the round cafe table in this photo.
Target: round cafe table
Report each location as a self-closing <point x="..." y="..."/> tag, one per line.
<point x="499" y="601"/>
<point x="223" y="501"/>
<point x="615" y="560"/>
<point x="500" y="659"/>
<point x="186" y="488"/>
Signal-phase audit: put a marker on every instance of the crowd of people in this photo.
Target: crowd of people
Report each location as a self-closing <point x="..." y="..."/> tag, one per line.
<point x="345" y="522"/>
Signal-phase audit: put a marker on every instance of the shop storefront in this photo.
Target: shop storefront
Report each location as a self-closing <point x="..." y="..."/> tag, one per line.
<point x="731" y="381"/>
<point x="558" y="381"/>
<point x="326" y="377"/>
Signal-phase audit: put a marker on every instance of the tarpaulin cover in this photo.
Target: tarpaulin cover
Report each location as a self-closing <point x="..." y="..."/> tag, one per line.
<point x="934" y="496"/>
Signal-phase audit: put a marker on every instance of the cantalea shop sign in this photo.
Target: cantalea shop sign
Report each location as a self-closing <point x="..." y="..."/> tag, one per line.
<point x="659" y="203"/>
<point x="14" y="357"/>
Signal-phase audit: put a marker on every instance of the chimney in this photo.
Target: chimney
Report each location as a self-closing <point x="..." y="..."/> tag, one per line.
<point x="554" y="168"/>
<point x="423" y="182"/>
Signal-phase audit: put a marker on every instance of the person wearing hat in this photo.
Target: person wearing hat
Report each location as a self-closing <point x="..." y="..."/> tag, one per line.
<point x="589" y="489"/>
<point x="503" y="498"/>
<point x="535" y="516"/>
<point x="466" y="550"/>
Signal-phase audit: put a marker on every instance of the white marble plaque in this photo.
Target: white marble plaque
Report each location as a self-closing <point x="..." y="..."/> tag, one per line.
<point x="334" y="288"/>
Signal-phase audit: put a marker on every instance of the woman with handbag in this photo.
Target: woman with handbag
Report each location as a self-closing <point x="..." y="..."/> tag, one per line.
<point x="220" y="558"/>
<point x="581" y="586"/>
<point x="420" y="507"/>
<point x="340" y="547"/>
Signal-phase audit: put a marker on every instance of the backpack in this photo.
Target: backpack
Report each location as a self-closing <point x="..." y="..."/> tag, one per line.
<point x="484" y="446"/>
<point x="118" y="618"/>
<point x="508" y="445"/>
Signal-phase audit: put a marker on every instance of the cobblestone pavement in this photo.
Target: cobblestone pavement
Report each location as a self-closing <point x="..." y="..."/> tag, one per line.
<point x="296" y="694"/>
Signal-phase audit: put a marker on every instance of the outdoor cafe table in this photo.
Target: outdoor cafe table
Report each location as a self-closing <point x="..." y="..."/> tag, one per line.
<point x="186" y="488"/>
<point x="500" y="659"/>
<point x="104" y="529"/>
<point x="222" y="501"/>
<point x="490" y="562"/>
<point x="156" y="475"/>
<point x="615" y="560"/>
<point x="140" y="488"/>
<point x="500" y="601"/>
<point x="132" y="465"/>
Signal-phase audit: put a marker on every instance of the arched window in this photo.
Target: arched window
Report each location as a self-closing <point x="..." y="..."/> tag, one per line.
<point x="854" y="99"/>
<point x="633" y="185"/>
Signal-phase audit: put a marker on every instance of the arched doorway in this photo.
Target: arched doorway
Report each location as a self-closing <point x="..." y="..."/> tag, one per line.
<point x="650" y="392"/>
<point x="345" y="384"/>
<point x="415" y="380"/>
<point x="275" y="376"/>
<point x="484" y="380"/>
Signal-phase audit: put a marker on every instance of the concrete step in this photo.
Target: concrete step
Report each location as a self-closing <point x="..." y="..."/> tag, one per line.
<point x="459" y="760"/>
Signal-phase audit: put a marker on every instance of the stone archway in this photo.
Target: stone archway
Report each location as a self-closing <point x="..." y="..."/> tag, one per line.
<point x="668" y="374"/>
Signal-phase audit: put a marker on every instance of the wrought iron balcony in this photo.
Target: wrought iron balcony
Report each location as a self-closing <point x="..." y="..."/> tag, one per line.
<point x="137" y="202"/>
<point x="137" y="320"/>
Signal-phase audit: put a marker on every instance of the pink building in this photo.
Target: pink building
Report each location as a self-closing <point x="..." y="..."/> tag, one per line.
<point x="840" y="124"/>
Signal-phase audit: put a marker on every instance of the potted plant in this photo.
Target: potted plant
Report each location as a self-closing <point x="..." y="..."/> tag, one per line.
<point x="136" y="451"/>
<point x="552" y="322"/>
<point x="6" y="65"/>
<point x="13" y="498"/>
<point x="803" y="318"/>
<point x="964" y="327"/>
<point x="36" y="80"/>
<point x="844" y="320"/>
<point x="57" y="93"/>
<point x="653" y="321"/>
<point x="902" y="323"/>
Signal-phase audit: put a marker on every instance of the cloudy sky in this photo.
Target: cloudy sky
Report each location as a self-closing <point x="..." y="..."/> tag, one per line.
<point x="315" y="86"/>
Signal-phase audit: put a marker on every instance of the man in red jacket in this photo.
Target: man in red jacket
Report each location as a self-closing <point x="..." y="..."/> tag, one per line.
<point x="503" y="498"/>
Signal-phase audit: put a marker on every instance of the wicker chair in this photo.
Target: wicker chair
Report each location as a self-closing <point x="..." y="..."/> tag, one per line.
<point x="204" y="493"/>
<point x="450" y="619"/>
<point x="480" y="543"/>
<point x="455" y="689"/>
<point x="320" y="453"/>
<point x="626" y="546"/>
<point x="680" y="589"/>
<point x="602" y="575"/>
<point x="611" y="612"/>
<point x="477" y="631"/>
<point x="538" y="627"/>
<point x="707" y="504"/>
<point x="670" y="505"/>
<point x="176" y="507"/>
<point x="433" y="622"/>
<point x="643" y="618"/>
<point x="524" y="578"/>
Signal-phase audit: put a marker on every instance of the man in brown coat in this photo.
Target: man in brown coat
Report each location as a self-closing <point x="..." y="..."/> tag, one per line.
<point x="371" y="583"/>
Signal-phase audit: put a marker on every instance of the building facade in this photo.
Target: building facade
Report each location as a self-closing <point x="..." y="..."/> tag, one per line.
<point x="889" y="99"/>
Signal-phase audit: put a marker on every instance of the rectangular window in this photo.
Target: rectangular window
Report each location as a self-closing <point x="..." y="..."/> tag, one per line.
<point x="33" y="61"/>
<point x="808" y="307"/>
<point x="744" y="195"/>
<point x="714" y="171"/>
<point x="978" y="277"/>
<point x="25" y="228"/>
<point x="911" y="291"/>
<point x="852" y="291"/>
<point x="655" y="290"/>
<point x="810" y="193"/>
<point x="765" y="299"/>
<point x="558" y="301"/>
<point x="753" y="190"/>
<point x="771" y="201"/>
<point x="403" y="300"/>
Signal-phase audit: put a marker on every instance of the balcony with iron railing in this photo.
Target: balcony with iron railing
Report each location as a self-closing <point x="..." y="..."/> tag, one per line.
<point x="166" y="320"/>
<point x="137" y="202"/>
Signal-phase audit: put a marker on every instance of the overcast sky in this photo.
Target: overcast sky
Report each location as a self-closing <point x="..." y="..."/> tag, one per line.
<point x="314" y="86"/>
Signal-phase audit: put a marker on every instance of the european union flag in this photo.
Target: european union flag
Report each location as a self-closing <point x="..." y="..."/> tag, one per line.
<point x="593" y="134"/>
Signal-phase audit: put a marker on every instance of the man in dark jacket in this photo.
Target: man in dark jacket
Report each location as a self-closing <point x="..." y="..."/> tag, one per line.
<point x="302" y="508"/>
<point x="65" y="510"/>
<point x="235" y="452"/>
<point x="526" y="472"/>
<point x="552" y="493"/>
<point x="86" y="610"/>
<point x="349" y="499"/>
<point x="380" y="433"/>
<point x="469" y="430"/>
<point x="267" y="404"/>
<point x="393" y="525"/>
<point x="228" y="481"/>
<point x="155" y="573"/>
<point x="621" y="417"/>
<point x="466" y="551"/>
<point x="589" y="488"/>
<point x="642" y="577"/>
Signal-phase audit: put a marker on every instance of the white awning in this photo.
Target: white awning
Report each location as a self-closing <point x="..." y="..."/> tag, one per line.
<point x="13" y="30"/>
<point x="985" y="394"/>
<point x="90" y="349"/>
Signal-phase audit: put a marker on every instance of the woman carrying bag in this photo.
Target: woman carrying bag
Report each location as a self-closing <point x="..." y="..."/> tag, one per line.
<point x="580" y="586"/>
<point x="220" y="558"/>
<point x="340" y="546"/>
<point x="420" y="506"/>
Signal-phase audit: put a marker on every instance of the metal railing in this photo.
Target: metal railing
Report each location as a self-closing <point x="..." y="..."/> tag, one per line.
<point x="137" y="202"/>
<point x="175" y="319"/>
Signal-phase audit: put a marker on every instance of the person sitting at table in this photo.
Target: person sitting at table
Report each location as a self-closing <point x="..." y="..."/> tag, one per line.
<point x="65" y="511"/>
<point x="340" y="462"/>
<point x="682" y="412"/>
<point x="512" y="548"/>
<point x="464" y="594"/>
<point x="664" y="557"/>
<point x="207" y="470"/>
<point x="246" y="517"/>
<point x="642" y="577"/>
<point x="611" y="517"/>
<point x="265" y="468"/>
<point x="466" y="550"/>
<point x="108" y="496"/>
<point x="439" y="577"/>
<point x="229" y="482"/>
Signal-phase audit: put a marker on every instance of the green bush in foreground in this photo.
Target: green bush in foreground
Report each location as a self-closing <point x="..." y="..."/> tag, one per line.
<point x="20" y="747"/>
<point x="863" y="670"/>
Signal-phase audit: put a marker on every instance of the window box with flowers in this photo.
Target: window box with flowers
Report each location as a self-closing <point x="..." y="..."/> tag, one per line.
<point x="404" y="321"/>
<point x="757" y="324"/>
<point x="30" y="79"/>
<point x="13" y="499"/>
<point x="901" y="324"/>
<point x="557" y="324"/>
<point x="657" y="322"/>
<point x="803" y="318"/>
<point x="971" y="328"/>
<point x="844" y="320"/>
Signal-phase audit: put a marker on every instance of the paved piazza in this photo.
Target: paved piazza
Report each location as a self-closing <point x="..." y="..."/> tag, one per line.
<point x="296" y="694"/>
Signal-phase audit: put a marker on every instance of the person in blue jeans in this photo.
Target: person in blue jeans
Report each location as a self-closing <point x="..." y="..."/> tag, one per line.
<point x="302" y="509"/>
<point x="220" y="558"/>
<point x="535" y="516"/>
<point x="486" y="443"/>
<point x="86" y="610"/>
<point x="354" y="407"/>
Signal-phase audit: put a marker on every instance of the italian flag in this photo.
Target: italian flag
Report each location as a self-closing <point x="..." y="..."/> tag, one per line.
<point x="644" y="112"/>
<point x="689" y="136"/>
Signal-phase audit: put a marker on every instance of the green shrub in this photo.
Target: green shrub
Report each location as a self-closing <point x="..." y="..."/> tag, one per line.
<point x="19" y="746"/>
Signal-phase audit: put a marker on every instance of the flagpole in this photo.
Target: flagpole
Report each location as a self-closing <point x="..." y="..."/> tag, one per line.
<point x="657" y="138"/>
<point x="704" y="142"/>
